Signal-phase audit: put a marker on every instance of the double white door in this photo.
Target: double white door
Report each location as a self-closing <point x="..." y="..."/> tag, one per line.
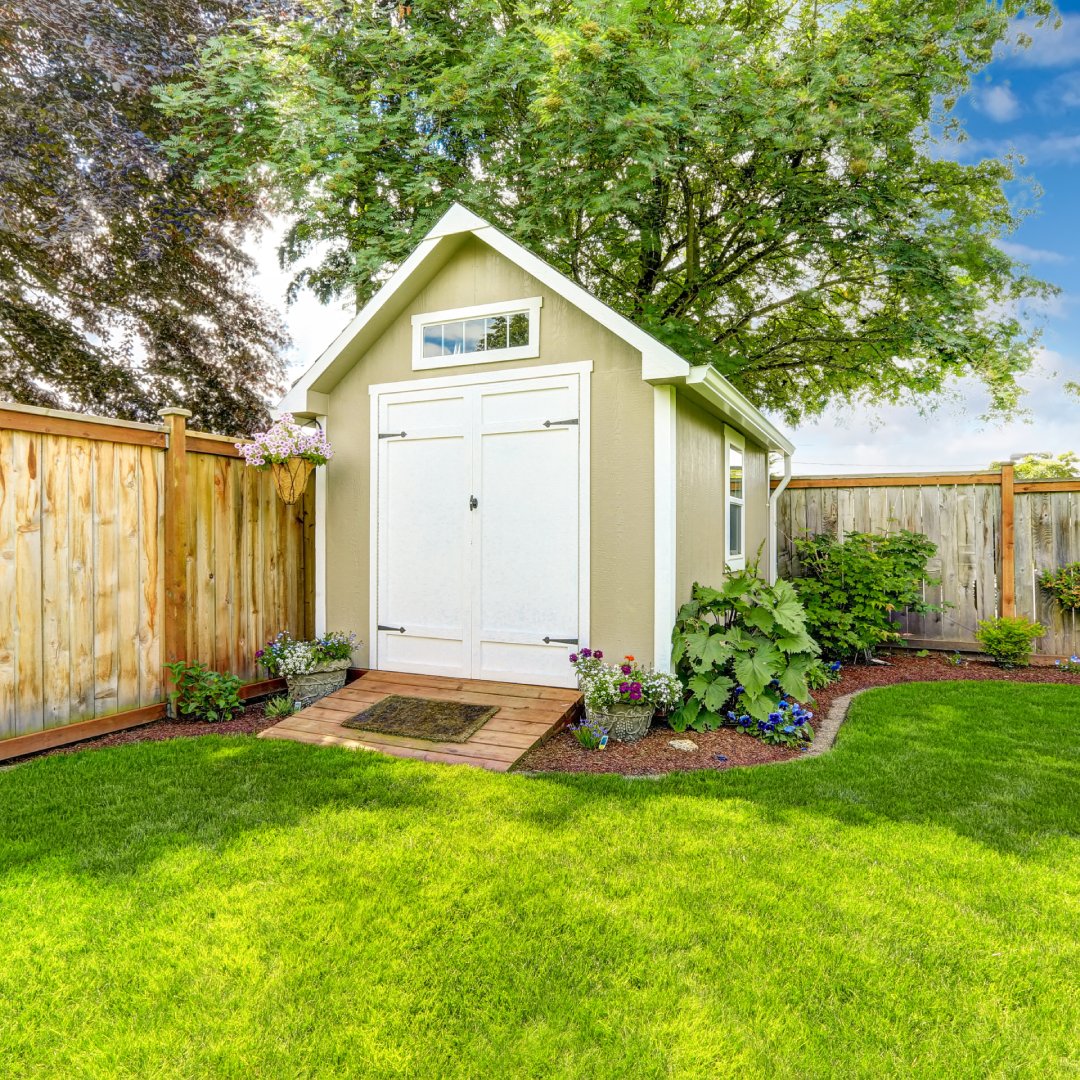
<point x="479" y="532"/>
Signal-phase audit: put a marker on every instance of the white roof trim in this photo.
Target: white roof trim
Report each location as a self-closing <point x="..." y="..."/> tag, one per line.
<point x="659" y="364"/>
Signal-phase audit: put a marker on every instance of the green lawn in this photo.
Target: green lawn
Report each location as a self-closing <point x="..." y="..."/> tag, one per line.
<point x="908" y="905"/>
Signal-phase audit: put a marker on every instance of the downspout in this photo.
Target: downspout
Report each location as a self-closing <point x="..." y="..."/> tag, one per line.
<point x="774" y="500"/>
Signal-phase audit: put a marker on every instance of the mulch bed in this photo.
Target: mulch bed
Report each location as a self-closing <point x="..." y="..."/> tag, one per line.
<point x="651" y="756"/>
<point x="725" y="749"/>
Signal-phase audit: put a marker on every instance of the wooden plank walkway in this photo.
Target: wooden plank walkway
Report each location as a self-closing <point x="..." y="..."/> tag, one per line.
<point x="527" y="715"/>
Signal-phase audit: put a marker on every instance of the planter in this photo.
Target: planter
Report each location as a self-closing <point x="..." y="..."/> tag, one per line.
<point x="291" y="478"/>
<point x="306" y="689"/>
<point x="627" y="723"/>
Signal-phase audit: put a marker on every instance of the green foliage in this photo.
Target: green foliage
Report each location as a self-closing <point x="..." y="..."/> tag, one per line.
<point x="820" y="674"/>
<point x="123" y="284"/>
<point x="746" y="639"/>
<point x="752" y="182"/>
<point x="1063" y="585"/>
<point x="201" y="694"/>
<point x="1064" y="466"/>
<point x="277" y="708"/>
<point x="851" y="589"/>
<point x="1008" y="639"/>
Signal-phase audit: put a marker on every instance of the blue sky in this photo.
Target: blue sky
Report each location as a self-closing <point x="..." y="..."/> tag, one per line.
<point x="1027" y="101"/>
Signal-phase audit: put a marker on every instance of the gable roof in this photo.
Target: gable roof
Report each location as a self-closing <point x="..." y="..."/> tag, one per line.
<point x="659" y="363"/>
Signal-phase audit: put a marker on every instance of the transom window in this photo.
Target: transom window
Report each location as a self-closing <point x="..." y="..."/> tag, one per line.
<point x="477" y="335"/>
<point x="736" y="502"/>
<point x="482" y="334"/>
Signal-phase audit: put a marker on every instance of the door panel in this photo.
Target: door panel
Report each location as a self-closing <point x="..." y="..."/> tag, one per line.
<point x="477" y="590"/>
<point x="423" y="541"/>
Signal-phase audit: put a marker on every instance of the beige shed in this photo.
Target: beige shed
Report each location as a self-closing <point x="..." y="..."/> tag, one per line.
<point x="519" y="470"/>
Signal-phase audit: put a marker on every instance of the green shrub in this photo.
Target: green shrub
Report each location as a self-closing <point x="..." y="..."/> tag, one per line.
<point x="1008" y="640"/>
<point x="277" y="708"/>
<point x="850" y="589"/>
<point x="748" y="640"/>
<point x="1063" y="585"/>
<point x="201" y="694"/>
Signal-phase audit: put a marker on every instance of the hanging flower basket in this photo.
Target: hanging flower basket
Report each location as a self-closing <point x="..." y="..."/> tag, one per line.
<point x="291" y="452"/>
<point x="291" y="478"/>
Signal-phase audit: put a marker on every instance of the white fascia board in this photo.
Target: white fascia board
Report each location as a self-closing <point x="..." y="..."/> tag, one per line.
<point x="707" y="383"/>
<point x="655" y="356"/>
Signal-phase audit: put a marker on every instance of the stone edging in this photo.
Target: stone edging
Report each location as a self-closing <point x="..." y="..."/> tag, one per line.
<point x="825" y="735"/>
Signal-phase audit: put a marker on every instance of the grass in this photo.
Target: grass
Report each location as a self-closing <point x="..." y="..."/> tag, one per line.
<point x="908" y="905"/>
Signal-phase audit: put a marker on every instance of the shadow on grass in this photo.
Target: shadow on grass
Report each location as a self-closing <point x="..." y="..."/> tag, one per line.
<point x="997" y="763"/>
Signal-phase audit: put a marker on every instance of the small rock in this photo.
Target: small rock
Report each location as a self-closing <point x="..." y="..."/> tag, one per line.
<point x="687" y="745"/>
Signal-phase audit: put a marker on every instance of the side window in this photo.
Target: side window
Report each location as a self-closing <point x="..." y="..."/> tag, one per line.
<point x="736" y="503"/>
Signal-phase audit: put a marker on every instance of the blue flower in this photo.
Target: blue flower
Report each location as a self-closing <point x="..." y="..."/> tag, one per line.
<point x="835" y="665"/>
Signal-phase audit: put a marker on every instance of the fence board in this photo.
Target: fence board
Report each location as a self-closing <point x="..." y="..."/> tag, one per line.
<point x="83" y="540"/>
<point x="962" y="515"/>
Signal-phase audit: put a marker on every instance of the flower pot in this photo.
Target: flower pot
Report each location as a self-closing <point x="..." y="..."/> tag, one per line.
<point x="625" y="722"/>
<point x="306" y="689"/>
<point x="291" y="478"/>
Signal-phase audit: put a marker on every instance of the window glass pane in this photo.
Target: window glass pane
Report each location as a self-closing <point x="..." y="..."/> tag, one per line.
<point x="496" y="332"/>
<point x="433" y="340"/>
<point x="735" y="473"/>
<point x="519" y="329"/>
<point x="735" y="538"/>
<point x="475" y="330"/>
<point x="452" y="335"/>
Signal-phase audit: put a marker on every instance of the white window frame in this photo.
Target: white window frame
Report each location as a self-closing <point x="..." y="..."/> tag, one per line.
<point x="734" y="440"/>
<point x="530" y="304"/>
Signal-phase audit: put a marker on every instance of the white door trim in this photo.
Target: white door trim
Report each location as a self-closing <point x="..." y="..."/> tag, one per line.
<point x="583" y="370"/>
<point x="665" y="603"/>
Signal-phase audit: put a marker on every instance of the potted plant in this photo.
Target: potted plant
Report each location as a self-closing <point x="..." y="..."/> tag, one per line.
<point x="290" y="452"/>
<point x="623" y="698"/>
<point x="311" y="669"/>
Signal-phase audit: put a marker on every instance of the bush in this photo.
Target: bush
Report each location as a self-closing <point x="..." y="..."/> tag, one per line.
<point x="819" y="674"/>
<point x="746" y="640"/>
<point x="277" y="708"/>
<point x="1008" y="640"/>
<point x="850" y="589"/>
<point x="1063" y="585"/>
<point x="201" y="694"/>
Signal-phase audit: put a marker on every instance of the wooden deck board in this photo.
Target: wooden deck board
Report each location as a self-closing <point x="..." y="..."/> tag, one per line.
<point x="527" y="715"/>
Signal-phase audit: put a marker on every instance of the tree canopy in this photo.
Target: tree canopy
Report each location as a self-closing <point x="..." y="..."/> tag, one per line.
<point x="122" y="285"/>
<point x="755" y="182"/>
<point x="1063" y="466"/>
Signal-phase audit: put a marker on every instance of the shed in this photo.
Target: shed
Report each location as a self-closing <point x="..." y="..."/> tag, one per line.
<point x="519" y="470"/>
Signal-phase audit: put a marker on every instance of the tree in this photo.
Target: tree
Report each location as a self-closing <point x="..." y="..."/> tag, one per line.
<point x="752" y="181"/>
<point x="1065" y="466"/>
<point x="122" y="285"/>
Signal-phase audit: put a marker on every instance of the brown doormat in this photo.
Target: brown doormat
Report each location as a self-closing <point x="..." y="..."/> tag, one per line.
<point x="422" y="718"/>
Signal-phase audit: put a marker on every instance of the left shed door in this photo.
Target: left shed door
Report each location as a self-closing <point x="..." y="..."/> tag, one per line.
<point x="423" y="573"/>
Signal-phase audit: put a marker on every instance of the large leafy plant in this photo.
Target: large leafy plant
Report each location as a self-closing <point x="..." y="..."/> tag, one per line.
<point x="747" y="639"/>
<point x="851" y="588"/>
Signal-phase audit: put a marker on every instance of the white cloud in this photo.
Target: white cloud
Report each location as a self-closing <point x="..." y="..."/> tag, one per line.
<point x="998" y="102"/>
<point x="1027" y="254"/>
<point x="1060" y="94"/>
<point x="1050" y="46"/>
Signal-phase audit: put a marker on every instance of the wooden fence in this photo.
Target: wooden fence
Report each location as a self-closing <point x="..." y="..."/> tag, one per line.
<point x="123" y="545"/>
<point x="994" y="536"/>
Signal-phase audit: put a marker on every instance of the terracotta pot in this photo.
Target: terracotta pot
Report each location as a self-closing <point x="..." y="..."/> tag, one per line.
<point x="291" y="478"/>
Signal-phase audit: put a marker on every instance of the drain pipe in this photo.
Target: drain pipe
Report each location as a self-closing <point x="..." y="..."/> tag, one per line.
<point x="774" y="500"/>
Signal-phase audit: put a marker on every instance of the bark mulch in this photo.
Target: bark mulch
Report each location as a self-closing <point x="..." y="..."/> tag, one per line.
<point x="725" y="749"/>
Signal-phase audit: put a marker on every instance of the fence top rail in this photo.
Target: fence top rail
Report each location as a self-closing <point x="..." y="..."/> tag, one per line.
<point x="928" y="479"/>
<point x="32" y="418"/>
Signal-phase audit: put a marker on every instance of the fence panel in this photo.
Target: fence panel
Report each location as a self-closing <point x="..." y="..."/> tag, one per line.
<point x="83" y="570"/>
<point x="965" y="516"/>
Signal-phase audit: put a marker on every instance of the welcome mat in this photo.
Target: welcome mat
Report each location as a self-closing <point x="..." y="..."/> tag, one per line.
<point x="422" y="718"/>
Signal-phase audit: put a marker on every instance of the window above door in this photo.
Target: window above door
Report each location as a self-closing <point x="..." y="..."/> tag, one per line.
<point x="481" y="334"/>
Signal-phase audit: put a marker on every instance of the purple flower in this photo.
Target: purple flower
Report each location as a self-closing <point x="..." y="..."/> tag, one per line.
<point x="573" y="658"/>
<point x="259" y="655"/>
<point x="586" y="653"/>
<point x="598" y="655"/>
<point x="624" y="688"/>
<point x="626" y="669"/>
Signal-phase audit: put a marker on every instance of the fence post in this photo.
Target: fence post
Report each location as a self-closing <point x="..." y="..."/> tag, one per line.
<point x="1008" y="542"/>
<point x="176" y="534"/>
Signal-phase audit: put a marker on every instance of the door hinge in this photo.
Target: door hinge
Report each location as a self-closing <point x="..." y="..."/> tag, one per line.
<point x="560" y="641"/>
<point x="396" y="629"/>
<point x="559" y="423"/>
<point x="391" y="434"/>
<point x="474" y="502"/>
